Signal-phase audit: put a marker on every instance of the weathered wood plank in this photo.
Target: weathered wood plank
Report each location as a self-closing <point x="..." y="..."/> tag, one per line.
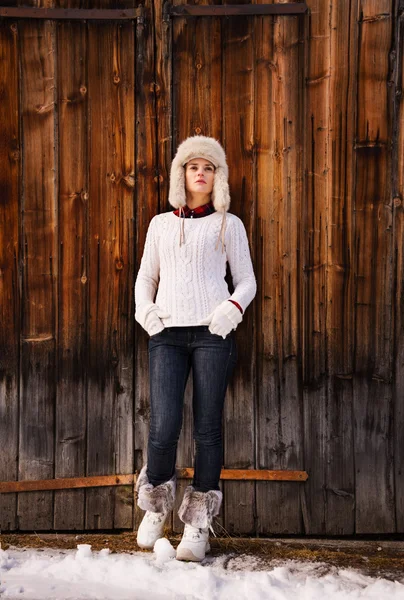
<point x="279" y="87"/>
<point x="314" y="250"/>
<point x="373" y="408"/>
<point x="163" y="94"/>
<point x="124" y="165"/>
<point x="38" y="374"/>
<point x="71" y="406"/>
<point x="279" y="415"/>
<point x="109" y="416"/>
<point x="145" y="208"/>
<point x="196" y="98"/>
<point x="340" y="476"/>
<point x="238" y="138"/>
<point x="197" y="93"/>
<point x="9" y="259"/>
<point x="398" y="275"/>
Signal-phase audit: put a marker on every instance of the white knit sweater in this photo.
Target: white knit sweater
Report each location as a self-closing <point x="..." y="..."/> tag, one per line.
<point x="189" y="279"/>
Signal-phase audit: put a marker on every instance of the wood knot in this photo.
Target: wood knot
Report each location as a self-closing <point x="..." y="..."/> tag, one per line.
<point x="119" y="264"/>
<point x="15" y="155"/>
<point x="44" y="108"/>
<point x="198" y="130"/>
<point x="83" y="90"/>
<point x="198" y="66"/>
<point x="13" y="28"/>
<point x="84" y="195"/>
<point x="117" y="79"/>
<point x="83" y="279"/>
<point x="129" y="180"/>
<point x="397" y="201"/>
<point x="112" y="177"/>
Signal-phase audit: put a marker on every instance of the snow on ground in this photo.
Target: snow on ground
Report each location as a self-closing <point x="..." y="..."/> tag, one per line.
<point x="83" y="575"/>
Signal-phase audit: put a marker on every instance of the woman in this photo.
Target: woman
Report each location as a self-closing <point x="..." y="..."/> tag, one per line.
<point x="191" y="322"/>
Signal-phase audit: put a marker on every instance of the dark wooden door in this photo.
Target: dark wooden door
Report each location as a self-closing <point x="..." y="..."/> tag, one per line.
<point x="91" y="114"/>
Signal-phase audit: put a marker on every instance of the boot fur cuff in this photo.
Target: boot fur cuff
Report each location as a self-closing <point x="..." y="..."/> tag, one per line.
<point x="159" y="498"/>
<point x="199" y="508"/>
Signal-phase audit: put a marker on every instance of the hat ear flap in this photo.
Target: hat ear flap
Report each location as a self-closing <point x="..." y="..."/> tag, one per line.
<point x="221" y="192"/>
<point x="177" y="185"/>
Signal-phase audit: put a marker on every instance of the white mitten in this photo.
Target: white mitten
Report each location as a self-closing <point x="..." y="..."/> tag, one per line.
<point x="223" y="319"/>
<point x="153" y="323"/>
<point x="149" y="316"/>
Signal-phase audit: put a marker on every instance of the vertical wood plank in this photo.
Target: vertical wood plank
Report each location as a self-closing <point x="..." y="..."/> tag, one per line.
<point x="197" y="77"/>
<point x="163" y="94"/>
<point x="38" y="374"/>
<point x="196" y="98"/>
<point x="186" y="122"/>
<point x="373" y="409"/>
<point x="124" y="78"/>
<point x="109" y="413"/>
<point x="398" y="275"/>
<point x="279" y="95"/>
<point x="146" y="207"/>
<point x="71" y="406"/>
<point x="9" y="261"/>
<point x="238" y="137"/>
<point x="314" y="249"/>
<point x="340" y="476"/>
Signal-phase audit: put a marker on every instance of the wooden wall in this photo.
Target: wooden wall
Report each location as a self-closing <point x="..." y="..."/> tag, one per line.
<point x="310" y="112"/>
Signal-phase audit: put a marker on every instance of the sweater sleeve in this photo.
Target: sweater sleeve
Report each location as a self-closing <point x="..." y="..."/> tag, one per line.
<point x="239" y="259"/>
<point x="148" y="276"/>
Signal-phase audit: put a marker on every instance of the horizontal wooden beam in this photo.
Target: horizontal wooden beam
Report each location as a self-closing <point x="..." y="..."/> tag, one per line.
<point x="251" y="474"/>
<point x="97" y="14"/>
<point x="7" y="487"/>
<point x="227" y="10"/>
<point x="65" y="484"/>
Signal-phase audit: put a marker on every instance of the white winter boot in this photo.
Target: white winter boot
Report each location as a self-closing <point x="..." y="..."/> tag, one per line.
<point x="151" y="529"/>
<point x="194" y="544"/>
<point x="158" y="502"/>
<point x="197" y="511"/>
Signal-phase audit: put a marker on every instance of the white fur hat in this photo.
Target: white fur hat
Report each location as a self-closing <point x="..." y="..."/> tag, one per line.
<point x="200" y="146"/>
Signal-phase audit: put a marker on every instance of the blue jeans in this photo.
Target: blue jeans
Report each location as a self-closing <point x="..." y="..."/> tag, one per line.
<point x="172" y="353"/>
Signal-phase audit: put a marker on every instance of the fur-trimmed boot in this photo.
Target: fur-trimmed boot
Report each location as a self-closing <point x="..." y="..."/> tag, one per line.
<point x="158" y="502"/>
<point x="197" y="511"/>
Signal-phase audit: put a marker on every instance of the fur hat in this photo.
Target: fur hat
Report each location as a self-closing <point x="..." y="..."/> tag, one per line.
<point x="200" y="146"/>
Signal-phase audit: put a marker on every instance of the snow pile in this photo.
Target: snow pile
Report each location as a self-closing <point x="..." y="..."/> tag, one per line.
<point x="85" y="575"/>
<point x="163" y="550"/>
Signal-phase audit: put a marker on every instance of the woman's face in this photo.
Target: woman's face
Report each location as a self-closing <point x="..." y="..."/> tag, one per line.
<point x="199" y="176"/>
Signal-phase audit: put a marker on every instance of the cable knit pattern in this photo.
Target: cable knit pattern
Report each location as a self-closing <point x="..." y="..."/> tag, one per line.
<point x="187" y="281"/>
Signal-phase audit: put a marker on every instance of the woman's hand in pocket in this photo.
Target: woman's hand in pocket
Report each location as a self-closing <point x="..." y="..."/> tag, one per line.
<point x="154" y="323"/>
<point x="223" y="319"/>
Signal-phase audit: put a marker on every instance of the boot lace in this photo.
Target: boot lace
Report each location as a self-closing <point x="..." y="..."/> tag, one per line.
<point x="193" y="533"/>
